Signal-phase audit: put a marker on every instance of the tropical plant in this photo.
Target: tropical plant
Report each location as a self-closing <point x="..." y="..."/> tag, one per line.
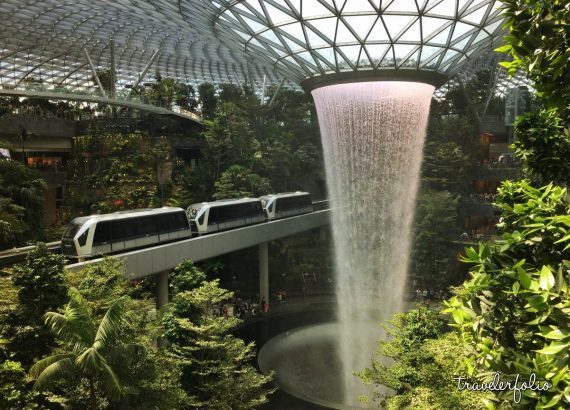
<point x="89" y="352"/>
<point x="239" y="182"/>
<point x="421" y="366"/>
<point x="515" y="310"/>
<point x="216" y="369"/>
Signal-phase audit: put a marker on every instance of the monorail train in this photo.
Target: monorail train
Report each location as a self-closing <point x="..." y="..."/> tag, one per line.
<point x="96" y="235"/>
<point x="215" y="216"/>
<point x="286" y="204"/>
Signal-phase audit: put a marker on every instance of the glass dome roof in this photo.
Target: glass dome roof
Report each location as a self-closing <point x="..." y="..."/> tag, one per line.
<point x="307" y="38"/>
<point x="237" y="41"/>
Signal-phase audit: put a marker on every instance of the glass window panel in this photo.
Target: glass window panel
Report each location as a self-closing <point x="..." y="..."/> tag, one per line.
<point x="351" y="52"/>
<point x="402" y="50"/>
<point x="460" y="29"/>
<point x="402" y="5"/>
<point x="441" y="38"/>
<point x="254" y="25"/>
<point x="428" y="52"/>
<point x="326" y="26"/>
<point x="277" y="16"/>
<point x="376" y="52"/>
<point x="327" y="54"/>
<point x="343" y="34"/>
<point x="444" y="8"/>
<point x="378" y="32"/>
<point x="361" y="24"/>
<point x="413" y="33"/>
<point x="476" y="16"/>
<point x="294" y="30"/>
<point x="358" y="6"/>
<point x="396" y="24"/>
<point x="271" y="36"/>
<point x="313" y="8"/>
<point x="314" y="39"/>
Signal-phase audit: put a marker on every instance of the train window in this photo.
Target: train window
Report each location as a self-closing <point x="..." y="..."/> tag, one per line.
<point x="213" y="216"/>
<point x="71" y="230"/>
<point x="201" y="218"/>
<point x="146" y="225"/>
<point x="270" y="207"/>
<point x="102" y="233"/>
<point x="83" y="238"/>
<point x="180" y="220"/>
<point x="121" y="230"/>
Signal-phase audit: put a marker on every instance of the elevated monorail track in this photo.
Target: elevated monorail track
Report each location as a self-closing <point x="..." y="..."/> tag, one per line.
<point x="10" y="257"/>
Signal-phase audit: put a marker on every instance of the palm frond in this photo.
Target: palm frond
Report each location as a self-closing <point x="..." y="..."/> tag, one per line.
<point x="110" y="382"/>
<point x="61" y="369"/>
<point x="90" y="361"/>
<point x="61" y="326"/>
<point x="125" y="353"/>
<point x="41" y="365"/>
<point x="111" y="325"/>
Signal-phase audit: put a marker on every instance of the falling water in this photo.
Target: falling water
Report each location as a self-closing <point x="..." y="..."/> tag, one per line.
<point x="373" y="135"/>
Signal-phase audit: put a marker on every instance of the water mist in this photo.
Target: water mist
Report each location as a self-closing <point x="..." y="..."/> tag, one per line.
<point x="373" y="135"/>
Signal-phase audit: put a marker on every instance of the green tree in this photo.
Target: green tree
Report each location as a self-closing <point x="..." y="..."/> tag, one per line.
<point x="538" y="43"/>
<point x="435" y="229"/>
<point x="40" y="285"/>
<point x="207" y="100"/>
<point x="445" y="167"/>
<point x="515" y="310"/>
<point x="238" y="182"/>
<point x="89" y="351"/>
<point x="217" y="373"/>
<point x="423" y="363"/>
<point x="21" y="204"/>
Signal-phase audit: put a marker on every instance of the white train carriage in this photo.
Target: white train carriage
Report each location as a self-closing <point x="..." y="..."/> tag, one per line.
<point x="96" y="235"/>
<point x="215" y="216"/>
<point x="286" y="204"/>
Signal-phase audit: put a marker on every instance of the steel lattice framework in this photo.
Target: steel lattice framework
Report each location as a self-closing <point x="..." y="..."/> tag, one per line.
<point x="231" y="41"/>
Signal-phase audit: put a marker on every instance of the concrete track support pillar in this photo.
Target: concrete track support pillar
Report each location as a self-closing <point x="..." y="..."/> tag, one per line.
<point x="162" y="289"/>
<point x="264" y="271"/>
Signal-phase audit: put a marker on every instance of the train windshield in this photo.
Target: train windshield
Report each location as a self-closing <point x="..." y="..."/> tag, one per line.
<point x="71" y="230"/>
<point x="193" y="211"/>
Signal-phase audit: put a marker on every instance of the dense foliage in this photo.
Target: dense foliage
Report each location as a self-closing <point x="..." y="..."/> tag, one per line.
<point x="216" y="367"/>
<point x="425" y="362"/>
<point x="21" y="204"/>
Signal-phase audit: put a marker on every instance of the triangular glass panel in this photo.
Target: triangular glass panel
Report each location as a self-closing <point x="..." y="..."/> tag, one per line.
<point x="277" y="16"/>
<point x="432" y="24"/>
<point x="388" y="60"/>
<point x="413" y="33"/>
<point x="411" y="61"/>
<point x="313" y="8"/>
<point x="308" y="59"/>
<point x="327" y="54"/>
<point x="378" y="32"/>
<point x="402" y="5"/>
<point x="257" y="7"/>
<point x="293" y="46"/>
<point x="493" y="26"/>
<point x="461" y="5"/>
<point x="343" y="34"/>
<point x="351" y="52"/>
<point x="292" y="61"/>
<point x="441" y="38"/>
<point x="242" y="35"/>
<point x="448" y="56"/>
<point x="461" y="45"/>
<point x="443" y="8"/>
<point x="476" y="16"/>
<point x="270" y="35"/>
<point x="314" y="39"/>
<point x="296" y="5"/>
<point x="428" y="52"/>
<point x="480" y="37"/>
<point x="295" y="30"/>
<point x="396" y="24"/>
<point x="254" y="25"/>
<point x="364" y="62"/>
<point x="342" y="63"/>
<point x="376" y="52"/>
<point x="361" y="24"/>
<point x="277" y="51"/>
<point x="460" y="29"/>
<point x="402" y="50"/>
<point x="326" y="26"/>
<point x="330" y="4"/>
<point x="255" y="42"/>
<point x="358" y="6"/>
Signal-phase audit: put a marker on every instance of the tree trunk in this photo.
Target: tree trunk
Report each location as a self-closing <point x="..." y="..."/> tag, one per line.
<point x="92" y="398"/>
